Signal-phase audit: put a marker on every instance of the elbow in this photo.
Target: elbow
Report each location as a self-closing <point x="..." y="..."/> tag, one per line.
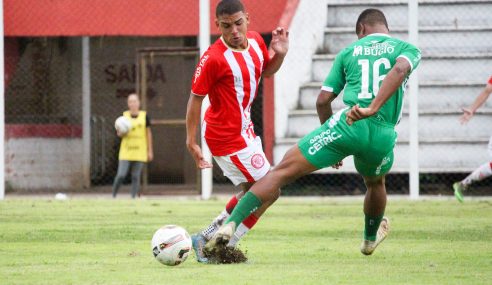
<point x="324" y="100"/>
<point x="402" y="68"/>
<point x="401" y="71"/>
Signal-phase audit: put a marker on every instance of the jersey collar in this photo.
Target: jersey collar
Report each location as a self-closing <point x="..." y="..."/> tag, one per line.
<point x="233" y="49"/>
<point x="379" y="35"/>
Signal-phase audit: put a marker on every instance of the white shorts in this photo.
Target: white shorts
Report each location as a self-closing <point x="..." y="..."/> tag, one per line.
<point x="247" y="165"/>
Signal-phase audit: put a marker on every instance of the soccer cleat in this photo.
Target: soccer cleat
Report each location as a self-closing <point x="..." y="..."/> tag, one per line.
<point x="458" y="191"/>
<point x="222" y="236"/>
<point x="198" y="242"/>
<point x="368" y="246"/>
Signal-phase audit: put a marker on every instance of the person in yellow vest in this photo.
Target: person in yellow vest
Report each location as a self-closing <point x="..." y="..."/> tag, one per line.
<point x="136" y="146"/>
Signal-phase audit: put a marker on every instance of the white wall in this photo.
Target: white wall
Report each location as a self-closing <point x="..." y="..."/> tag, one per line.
<point x="43" y="163"/>
<point x="306" y="35"/>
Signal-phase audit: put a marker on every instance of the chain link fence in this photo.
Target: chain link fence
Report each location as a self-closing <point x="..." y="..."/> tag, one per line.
<point x="44" y="93"/>
<point x="453" y="38"/>
<point x="44" y="90"/>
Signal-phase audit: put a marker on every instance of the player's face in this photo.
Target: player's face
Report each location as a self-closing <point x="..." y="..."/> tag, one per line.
<point x="133" y="103"/>
<point x="233" y="29"/>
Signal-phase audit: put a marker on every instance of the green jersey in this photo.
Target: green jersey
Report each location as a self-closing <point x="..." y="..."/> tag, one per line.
<point x="360" y="68"/>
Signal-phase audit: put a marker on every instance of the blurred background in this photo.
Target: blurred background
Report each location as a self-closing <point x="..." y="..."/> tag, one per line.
<point x="69" y="66"/>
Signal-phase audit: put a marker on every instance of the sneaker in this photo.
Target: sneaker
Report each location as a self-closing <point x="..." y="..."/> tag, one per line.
<point x="458" y="191"/>
<point x="222" y="236"/>
<point x="198" y="242"/>
<point x="368" y="246"/>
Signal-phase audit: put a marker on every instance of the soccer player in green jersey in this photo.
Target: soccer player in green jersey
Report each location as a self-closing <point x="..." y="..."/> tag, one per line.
<point x="372" y="72"/>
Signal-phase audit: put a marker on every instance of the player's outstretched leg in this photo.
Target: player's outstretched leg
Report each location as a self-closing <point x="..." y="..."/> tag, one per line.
<point x="264" y="192"/>
<point x="482" y="172"/>
<point x="376" y="225"/>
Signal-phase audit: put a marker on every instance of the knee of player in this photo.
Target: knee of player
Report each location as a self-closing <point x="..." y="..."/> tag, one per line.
<point x="277" y="194"/>
<point x="374" y="181"/>
<point x="119" y="177"/>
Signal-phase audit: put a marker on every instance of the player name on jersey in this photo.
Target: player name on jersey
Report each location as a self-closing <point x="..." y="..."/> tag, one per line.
<point x="375" y="49"/>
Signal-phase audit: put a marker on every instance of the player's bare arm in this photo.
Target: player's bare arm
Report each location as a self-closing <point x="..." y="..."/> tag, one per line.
<point x="470" y="111"/>
<point x="323" y="105"/>
<point x="279" y="45"/>
<point x="390" y="84"/>
<point x="150" y="146"/>
<point x="193" y="111"/>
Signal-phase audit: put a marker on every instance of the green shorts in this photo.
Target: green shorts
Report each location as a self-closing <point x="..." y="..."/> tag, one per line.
<point x="370" y="141"/>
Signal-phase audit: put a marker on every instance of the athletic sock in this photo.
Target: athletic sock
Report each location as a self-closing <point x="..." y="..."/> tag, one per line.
<point x="231" y="204"/>
<point x="243" y="229"/>
<point x="371" y="227"/>
<point x="247" y="205"/>
<point x="482" y="172"/>
<point x="210" y="231"/>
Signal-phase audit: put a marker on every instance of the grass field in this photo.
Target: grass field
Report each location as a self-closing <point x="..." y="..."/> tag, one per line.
<point x="298" y="241"/>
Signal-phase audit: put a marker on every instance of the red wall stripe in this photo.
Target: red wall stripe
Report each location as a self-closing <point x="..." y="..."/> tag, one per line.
<point x="42" y="131"/>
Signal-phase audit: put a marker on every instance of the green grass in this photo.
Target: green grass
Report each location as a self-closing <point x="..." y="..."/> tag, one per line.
<point x="297" y="242"/>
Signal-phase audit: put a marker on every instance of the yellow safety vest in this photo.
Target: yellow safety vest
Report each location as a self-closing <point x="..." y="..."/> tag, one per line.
<point x="134" y="145"/>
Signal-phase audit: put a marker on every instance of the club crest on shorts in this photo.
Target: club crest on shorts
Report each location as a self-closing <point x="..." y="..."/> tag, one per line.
<point x="257" y="160"/>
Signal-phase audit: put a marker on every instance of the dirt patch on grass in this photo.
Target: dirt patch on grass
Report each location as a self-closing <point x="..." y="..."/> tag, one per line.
<point x="225" y="255"/>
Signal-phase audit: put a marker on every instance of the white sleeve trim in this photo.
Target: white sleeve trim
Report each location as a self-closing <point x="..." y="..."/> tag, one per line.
<point x="409" y="61"/>
<point x="198" y="94"/>
<point x="326" y="88"/>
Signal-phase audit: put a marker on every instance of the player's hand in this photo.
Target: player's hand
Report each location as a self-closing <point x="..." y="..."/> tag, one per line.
<point x="280" y="41"/>
<point x="338" y="164"/>
<point x="357" y="113"/>
<point x="120" y="134"/>
<point x="197" y="154"/>
<point x="467" y="115"/>
<point x="150" y="156"/>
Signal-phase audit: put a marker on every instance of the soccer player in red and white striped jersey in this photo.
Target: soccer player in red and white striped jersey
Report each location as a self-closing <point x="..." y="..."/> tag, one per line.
<point x="229" y="72"/>
<point x="484" y="170"/>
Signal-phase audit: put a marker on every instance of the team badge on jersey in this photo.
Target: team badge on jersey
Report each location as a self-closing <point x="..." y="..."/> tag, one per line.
<point x="257" y="161"/>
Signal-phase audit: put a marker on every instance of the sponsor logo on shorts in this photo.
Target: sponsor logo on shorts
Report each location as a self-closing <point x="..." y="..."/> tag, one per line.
<point x="335" y="118"/>
<point x="257" y="161"/>
<point x="322" y="139"/>
<point x="385" y="161"/>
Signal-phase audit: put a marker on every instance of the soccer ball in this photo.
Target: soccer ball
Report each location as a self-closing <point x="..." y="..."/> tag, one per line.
<point x="123" y="125"/>
<point x="171" y="245"/>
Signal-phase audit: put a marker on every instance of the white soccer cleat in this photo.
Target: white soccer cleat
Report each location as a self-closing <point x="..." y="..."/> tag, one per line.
<point x="368" y="246"/>
<point x="222" y="236"/>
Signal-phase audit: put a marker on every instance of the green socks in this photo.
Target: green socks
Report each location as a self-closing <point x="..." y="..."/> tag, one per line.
<point x="371" y="227"/>
<point x="247" y="205"/>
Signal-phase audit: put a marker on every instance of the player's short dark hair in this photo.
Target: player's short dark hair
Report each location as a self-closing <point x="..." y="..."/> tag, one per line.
<point x="371" y="17"/>
<point x="228" y="7"/>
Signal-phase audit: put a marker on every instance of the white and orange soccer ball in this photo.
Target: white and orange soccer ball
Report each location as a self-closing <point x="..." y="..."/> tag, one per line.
<point x="171" y="245"/>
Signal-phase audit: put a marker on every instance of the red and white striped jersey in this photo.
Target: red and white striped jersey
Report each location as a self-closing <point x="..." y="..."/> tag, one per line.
<point x="230" y="78"/>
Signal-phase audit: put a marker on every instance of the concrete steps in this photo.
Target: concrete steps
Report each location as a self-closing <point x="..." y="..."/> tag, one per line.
<point x="455" y="38"/>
